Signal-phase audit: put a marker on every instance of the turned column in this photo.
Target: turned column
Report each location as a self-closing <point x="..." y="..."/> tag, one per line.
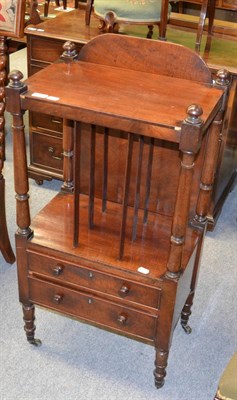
<point x="213" y="150"/>
<point x="190" y="143"/>
<point x="69" y="55"/>
<point x="5" y="246"/>
<point x="24" y="232"/>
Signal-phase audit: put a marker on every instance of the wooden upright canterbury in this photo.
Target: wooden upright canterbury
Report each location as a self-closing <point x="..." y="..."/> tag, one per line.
<point x="112" y="249"/>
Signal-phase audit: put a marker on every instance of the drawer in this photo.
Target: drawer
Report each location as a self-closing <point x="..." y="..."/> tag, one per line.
<point x="46" y="122"/>
<point x="92" y="309"/>
<point x="92" y="279"/>
<point x="44" y="49"/>
<point x="46" y="151"/>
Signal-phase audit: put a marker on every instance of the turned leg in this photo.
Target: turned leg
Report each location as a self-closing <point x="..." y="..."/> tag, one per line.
<point x="150" y="32"/>
<point x="29" y="318"/>
<point x="160" y="367"/>
<point x="186" y="312"/>
<point x="5" y="246"/>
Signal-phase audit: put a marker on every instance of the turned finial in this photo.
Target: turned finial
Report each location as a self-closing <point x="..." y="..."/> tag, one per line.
<point x="70" y="52"/>
<point x="15" y="77"/>
<point x="222" y="77"/>
<point x="194" y="113"/>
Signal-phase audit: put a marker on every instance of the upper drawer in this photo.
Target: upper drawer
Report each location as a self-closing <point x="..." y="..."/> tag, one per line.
<point x="94" y="280"/>
<point x="46" y="122"/>
<point x="46" y="50"/>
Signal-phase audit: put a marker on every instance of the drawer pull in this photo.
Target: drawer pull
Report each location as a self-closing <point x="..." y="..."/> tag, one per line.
<point x="58" y="270"/>
<point x="122" y="319"/>
<point x="123" y="291"/>
<point x="52" y="151"/>
<point x="56" y="121"/>
<point x="57" y="298"/>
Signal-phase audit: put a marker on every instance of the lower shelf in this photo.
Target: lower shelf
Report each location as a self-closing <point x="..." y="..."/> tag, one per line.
<point x="53" y="233"/>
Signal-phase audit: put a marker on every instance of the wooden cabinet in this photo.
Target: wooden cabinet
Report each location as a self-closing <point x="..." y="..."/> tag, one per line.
<point x="121" y="250"/>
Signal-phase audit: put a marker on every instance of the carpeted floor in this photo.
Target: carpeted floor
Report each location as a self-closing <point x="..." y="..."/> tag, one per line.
<point x="80" y="362"/>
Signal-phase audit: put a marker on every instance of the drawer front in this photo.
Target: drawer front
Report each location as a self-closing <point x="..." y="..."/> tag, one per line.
<point x="46" y="151"/>
<point x="46" y="122"/>
<point x="92" y="309"/>
<point x="94" y="280"/>
<point x="44" y="49"/>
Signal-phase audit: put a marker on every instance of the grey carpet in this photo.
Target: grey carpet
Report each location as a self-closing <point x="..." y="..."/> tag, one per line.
<point x="77" y="361"/>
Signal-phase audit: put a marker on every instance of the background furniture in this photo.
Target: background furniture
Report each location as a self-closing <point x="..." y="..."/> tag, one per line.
<point x="188" y="21"/>
<point x="102" y="250"/>
<point x="227" y="387"/>
<point x="115" y="12"/>
<point x="207" y="6"/>
<point x="111" y="15"/>
<point x="46" y="161"/>
<point x="9" y="28"/>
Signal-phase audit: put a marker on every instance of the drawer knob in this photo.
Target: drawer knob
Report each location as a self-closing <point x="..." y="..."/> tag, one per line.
<point x="124" y="290"/>
<point x="122" y="319"/>
<point x="52" y="151"/>
<point x="58" y="270"/>
<point x="57" y="298"/>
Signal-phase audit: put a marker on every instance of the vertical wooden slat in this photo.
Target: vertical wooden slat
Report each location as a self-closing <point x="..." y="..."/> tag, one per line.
<point x="137" y="188"/>
<point x="105" y="169"/>
<point x="148" y="179"/>
<point x="126" y="194"/>
<point x="92" y="178"/>
<point x="76" y="175"/>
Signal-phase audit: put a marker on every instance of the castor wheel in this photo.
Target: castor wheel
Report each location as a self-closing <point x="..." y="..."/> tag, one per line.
<point x="35" y="342"/>
<point x="187" y="329"/>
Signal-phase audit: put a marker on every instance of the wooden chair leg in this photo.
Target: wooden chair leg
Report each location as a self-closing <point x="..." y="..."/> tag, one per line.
<point x="46" y="8"/>
<point x="211" y="15"/>
<point x="203" y="15"/>
<point x="163" y="19"/>
<point x="89" y="6"/>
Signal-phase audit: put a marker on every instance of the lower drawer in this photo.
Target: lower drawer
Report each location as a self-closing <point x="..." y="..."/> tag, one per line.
<point x="93" y="309"/>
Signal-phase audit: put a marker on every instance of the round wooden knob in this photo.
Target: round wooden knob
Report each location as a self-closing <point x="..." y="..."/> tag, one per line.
<point x="69" y="51"/>
<point x="15" y="77"/>
<point x="122" y="319"/>
<point x="58" y="270"/>
<point x="194" y="112"/>
<point x="222" y="77"/>
<point x="124" y="290"/>
<point x="58" y="298"/>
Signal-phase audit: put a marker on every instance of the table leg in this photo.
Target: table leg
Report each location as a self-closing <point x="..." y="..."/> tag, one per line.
<point x="5" y="246"/>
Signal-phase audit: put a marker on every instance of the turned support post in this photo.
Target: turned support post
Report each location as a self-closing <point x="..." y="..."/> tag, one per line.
<point x="190" y="143"/>
<point x="24" y="232"/>
<point x="211" y="154"/>
<point x="5" y="246"/>
<point x="13" y="92"/>
<point x="206" y="186"/>
<point x="189" y="146"/>
<point x="69" y="55"/>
